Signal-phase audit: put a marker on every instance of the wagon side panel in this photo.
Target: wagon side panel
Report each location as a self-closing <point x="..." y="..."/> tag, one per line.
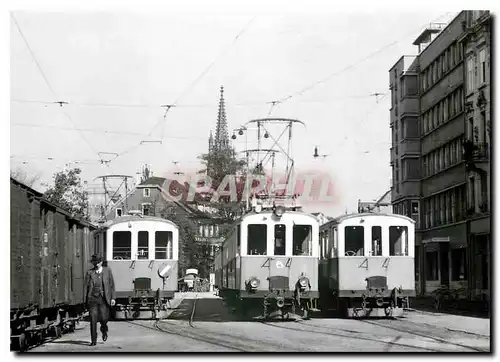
<point x="35" y="260"/>
<point x="17" y="296"/>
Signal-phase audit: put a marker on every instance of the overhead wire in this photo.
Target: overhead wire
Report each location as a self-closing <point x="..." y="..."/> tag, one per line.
<point x="186" y="91"/>
<point x="352" y="65"/>
<point x="47" y="81"/>
<point x="201" y="105"/>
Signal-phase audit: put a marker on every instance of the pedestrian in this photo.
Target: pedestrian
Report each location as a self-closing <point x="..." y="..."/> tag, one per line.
<point x="99" y="297"/>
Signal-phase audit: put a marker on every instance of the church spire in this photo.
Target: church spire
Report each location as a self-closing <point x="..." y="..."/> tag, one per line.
<point x="210" y="142"/>
<point x="221" y="132"/>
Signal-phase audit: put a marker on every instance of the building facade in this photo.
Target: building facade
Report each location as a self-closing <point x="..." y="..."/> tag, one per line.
<point x="436" y="116"/>
<point x="382" y="205"/>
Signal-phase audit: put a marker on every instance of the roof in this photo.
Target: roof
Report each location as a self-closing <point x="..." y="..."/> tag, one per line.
<point x="380" y="201"/>
<point x="157" y="181"/>
<point x="127" y="218"/>
<point x="40" y="196"/>
<point x="342" y="218"/>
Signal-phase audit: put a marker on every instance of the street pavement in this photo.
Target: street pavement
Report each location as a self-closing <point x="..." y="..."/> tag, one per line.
<point x="216" y="329"/>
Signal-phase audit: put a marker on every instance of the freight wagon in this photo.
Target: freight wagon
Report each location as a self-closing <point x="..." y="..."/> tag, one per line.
<point x="50" y="253"/>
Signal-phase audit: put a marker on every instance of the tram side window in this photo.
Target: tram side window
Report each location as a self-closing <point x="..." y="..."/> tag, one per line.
<point x="398" y="236"/>
<point x="163" y="245"/>
<point x="354" y="241"/>
<point x="323" y="241"/>
<point x="257" y="240"/>
<point x="302" y="240"/>
<point x="122" y="245"/>
<point x="376" y="240"/>
<point x="104" y="245"/>
<point x="142" y="245"/>
<point x="335" y="243"/>
<point x="279" y="239"/>
<point x="238" y="236"/>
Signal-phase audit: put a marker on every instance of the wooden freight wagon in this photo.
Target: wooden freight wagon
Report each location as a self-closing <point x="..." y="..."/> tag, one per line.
<point x="50" y="252"/>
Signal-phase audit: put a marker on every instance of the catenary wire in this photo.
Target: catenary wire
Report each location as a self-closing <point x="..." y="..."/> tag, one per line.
<point x="203" y="73"/>
<point x="47" y="81"/>
<point x="352" y="65"/>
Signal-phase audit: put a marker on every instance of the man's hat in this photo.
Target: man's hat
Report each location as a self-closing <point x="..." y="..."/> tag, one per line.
<point x="95" y="259"/>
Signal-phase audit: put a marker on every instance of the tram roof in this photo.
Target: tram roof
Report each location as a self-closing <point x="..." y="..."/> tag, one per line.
<point x="127" y="218"/>
<point x="342" y="218"/>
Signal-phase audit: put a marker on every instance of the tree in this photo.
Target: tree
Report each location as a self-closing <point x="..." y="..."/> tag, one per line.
<point x="67" y="192"/>
<point x="192" y="253"/>
<point x="24" y="178"/>
<point x="219" y="164"/>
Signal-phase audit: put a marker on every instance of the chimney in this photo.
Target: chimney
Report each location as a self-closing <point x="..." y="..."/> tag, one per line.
<point x="137" y="178"/>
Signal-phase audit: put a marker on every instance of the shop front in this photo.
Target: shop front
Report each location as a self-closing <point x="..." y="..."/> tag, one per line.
<point x="480" y="257"/>
<point x="444" y="258"/>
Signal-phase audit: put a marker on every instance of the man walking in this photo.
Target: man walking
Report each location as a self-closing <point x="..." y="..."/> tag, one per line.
<point x="99" y="297"/>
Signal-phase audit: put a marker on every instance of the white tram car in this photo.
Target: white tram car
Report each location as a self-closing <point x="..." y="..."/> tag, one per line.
<point x="142" y="252"/>
<point x="366" y="266"/>
<point x="269" y="263"/>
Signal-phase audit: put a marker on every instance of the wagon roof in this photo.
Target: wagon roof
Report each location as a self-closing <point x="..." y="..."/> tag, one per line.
<point x="342" y="218"/>
<point x="127" y="218"/>
<point x="40" y="196"/>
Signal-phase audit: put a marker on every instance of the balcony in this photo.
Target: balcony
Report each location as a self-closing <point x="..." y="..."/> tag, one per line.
<point x="409" y="105"/>
<point x="410" y="188"/>
<point x="411" y="147"/>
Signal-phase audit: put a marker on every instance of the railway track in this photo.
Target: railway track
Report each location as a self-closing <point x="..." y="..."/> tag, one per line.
<point x="228" y="341"/>
<point x="427" y="335"/>
<point x="350" y="335"/>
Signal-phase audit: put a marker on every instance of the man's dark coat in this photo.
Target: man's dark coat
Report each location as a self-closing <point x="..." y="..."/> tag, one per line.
<point x="108" y="282"/>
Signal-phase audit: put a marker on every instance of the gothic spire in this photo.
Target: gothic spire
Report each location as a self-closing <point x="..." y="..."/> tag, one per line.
<point x="221" y="132"/>
<point x="210" y="142"/>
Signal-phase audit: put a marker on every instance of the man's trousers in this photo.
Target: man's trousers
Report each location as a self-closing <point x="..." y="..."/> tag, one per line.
<point x="99" y="312"/>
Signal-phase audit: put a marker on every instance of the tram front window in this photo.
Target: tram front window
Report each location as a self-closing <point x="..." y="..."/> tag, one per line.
<point x="398" y="235"/>
<point x="257" y="240"/>
<point x="302" y="240"/>
<point x="122" y="245"/>
<point x="354" y="241"/>
<point x="279" y="239"/>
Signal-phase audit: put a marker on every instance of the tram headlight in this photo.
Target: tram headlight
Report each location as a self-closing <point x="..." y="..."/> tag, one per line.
<point x="254" y="283"/>
<point x="303" y="282"/>
<point x="279" y="211"/>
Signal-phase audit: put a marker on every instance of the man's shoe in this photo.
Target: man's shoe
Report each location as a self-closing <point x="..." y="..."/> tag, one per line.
<point x="104" y="336"/>
<point x="93" y="343"/>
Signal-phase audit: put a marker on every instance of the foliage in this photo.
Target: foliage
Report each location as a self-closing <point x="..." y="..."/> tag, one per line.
<point x="67" y="192"/>
<point x="24" y="178"/>
<point x="219" y="164"/>
<point x="192" y="253"/>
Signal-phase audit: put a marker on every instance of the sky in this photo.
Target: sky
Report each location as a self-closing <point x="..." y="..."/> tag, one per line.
<point x="116" y="69"/>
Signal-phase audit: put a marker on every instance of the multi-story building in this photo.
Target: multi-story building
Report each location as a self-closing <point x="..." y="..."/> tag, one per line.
<point x="476" y="43"/>
<point x="443" y="188"/>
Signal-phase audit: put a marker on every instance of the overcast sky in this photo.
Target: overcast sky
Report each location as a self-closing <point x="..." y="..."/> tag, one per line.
<point x="137" y="62"/>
